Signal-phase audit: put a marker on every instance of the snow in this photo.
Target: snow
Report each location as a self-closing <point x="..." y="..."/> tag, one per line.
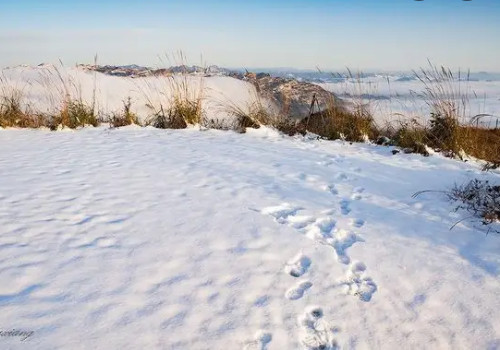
<point x="44" y="88"/>
<point x="392" y="99"/>
<point x="138" y="238"/>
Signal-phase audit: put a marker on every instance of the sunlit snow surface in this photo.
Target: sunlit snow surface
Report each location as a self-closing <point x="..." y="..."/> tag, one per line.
<point x="138" y="238"/>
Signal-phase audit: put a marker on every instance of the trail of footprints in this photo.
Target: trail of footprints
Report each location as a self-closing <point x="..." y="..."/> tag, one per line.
<point x="324" y="230"/>
<point x="296" y="268"/>
<point x="316" y="333"/>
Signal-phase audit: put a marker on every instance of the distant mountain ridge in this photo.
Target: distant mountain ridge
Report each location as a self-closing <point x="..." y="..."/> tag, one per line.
<point x="134" y="70"/>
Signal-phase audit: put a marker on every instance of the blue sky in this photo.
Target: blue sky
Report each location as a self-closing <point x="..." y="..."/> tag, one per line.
<point x="330" y="34"/>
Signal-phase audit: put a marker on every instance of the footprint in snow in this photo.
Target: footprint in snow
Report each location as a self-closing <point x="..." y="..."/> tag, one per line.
<point x="321" y="229"/>
<point x="299" y="222"/>
<point x="331" y="189"/>
<point x="298" y="265"/>
<point x="316" y="332"/>
<point x="281" y="212"/>
<point x="358" y="284"/>
<point x="358" y="223"/>
<point x="345" y="207"/>
<point x="342" y="241"/>
<point x="260" y="341"/>
<point x="357" y="193"/>
<point x="298" y="291"/>
<point x="341" y="176"/>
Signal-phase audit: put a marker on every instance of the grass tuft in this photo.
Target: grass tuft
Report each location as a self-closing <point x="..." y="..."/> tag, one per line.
<point x="74" y="114"/>
<point x="124" y="118"/>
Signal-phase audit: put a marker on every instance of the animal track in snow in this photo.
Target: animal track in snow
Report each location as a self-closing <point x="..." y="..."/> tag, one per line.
<point x="341" y="176"/>
<point x="331" y="189"/>
<point x="299" y="222"/>
<point x="357" y="222"/>
<point x="345" y="208"/>
<point x="281" y="212"/>
<point x="356" y="196"/>
<point x="316" y="332"/>
<point x="298" y="291"/>
<point x="357" y="193"/>
<point x="260" y="342"/>
<point x="322" y="229"/>
<point x="298" y="265"/>
<point x="357" y="283"/>
<point x="341" y="242"/>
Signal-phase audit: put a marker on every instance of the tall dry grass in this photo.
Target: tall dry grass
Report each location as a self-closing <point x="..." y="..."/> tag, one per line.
<point x="350" y="121"/>
<point x="452" y="126"/>
<point x="124" y="117"/>
<point x="176" y="100"/>
<point x="67" y="107"/>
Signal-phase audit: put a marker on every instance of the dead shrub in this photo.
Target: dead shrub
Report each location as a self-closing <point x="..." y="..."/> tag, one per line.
<point x="480" y="198"/>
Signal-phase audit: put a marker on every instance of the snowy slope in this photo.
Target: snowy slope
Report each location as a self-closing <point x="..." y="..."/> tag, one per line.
<point x="44" y="88"/>
<point x="390" y="100"/>
<point x="151" y="239"/>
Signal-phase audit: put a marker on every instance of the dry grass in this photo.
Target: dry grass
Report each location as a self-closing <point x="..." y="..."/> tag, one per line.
<point x="347" y="121"/>
<point x="451" y="128"/>
<point x="481" y="143"/>
<point x="166" y="120"/>
<point x="13" y="114"/>
<point x="252" y="115"/>
<point x="351" y="121"/>
<point x="256" y="114"/>
<point x="11" y="110"/>
<point x="125" y="117"/>
<point x="339" y="123"/>
<point x="69" y="108"/>
<point x="74" y="114"/>
<point x="178" y="105"/>
<point x="176" y="100"/>
<point x="411" y="136"/>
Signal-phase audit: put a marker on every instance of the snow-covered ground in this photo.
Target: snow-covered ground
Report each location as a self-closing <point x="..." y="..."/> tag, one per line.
<point x="138" y="238"/>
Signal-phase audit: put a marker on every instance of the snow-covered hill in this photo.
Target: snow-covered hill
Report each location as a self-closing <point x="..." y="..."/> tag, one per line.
<point x="390" y="98"/>
<point x="138" y="238"/>
<point x="45" y="87"/>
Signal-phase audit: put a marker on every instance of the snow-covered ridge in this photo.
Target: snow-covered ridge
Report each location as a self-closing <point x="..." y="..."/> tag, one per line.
<point x="391" y="97"/>
<point x="45" y="87"/>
